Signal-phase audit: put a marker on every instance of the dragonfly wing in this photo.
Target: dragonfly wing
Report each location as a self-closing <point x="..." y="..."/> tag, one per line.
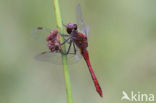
<point x="85" y="30"/>
<point x="56" y="57"/>
<point x="74" y="58"/>
<point x="40" y="34"/>
<point x="51" y="57"/>
<point x="80" y="21"/>
<point x="79" y="17"/>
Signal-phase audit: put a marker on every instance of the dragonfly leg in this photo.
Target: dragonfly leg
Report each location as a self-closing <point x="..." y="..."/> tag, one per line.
<point x="68" y="48"/>
<point x="66" y="41"/>
<point x="74" y="48"/>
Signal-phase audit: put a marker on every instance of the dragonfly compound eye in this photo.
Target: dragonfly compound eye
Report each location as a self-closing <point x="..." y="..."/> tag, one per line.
<point x="75" y="26"/>
<point x="69" y="30"/>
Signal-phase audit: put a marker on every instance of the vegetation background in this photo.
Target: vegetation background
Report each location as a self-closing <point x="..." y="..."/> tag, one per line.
<point x="122" y="47"/>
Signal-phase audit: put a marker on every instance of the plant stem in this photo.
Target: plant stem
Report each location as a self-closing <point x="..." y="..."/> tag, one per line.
<point x="64" y="57"/>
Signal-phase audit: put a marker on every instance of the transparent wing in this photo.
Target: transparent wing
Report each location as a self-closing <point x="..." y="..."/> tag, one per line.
<point x="74" y="58"/>
<point x="40" y="34"/>
<point x="85" y="30"/>
<point x="56" y="57"/>
<point x="48" y="56"/>
<point x="80" y="21"/>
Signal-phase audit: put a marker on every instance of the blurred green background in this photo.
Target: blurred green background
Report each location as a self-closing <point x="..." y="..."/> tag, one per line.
<point x="122" y="47"/>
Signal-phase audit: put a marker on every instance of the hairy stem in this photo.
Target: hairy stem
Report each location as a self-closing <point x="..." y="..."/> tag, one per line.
<point x="64" y="57"/>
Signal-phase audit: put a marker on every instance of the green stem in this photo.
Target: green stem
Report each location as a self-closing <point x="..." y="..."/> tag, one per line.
<point x="64" y="57"/>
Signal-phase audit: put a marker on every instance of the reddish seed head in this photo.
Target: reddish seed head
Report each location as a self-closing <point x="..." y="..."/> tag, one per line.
<point x="54" y="32"/>
<point x="52" y="35"/>
<point x="53" y="41"/>
<point x="49" y="38"/>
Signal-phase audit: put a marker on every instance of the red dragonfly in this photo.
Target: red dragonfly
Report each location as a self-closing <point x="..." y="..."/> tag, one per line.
<point x="80" y="39"/>
<point x="53" y="54"/>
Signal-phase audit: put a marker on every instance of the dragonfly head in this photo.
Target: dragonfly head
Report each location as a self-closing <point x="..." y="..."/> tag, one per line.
<point x="71" y="27"/>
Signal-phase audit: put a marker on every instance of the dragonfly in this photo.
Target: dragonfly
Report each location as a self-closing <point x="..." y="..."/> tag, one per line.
<point x="77" y="41"/>
<point x="80" y="39"/>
